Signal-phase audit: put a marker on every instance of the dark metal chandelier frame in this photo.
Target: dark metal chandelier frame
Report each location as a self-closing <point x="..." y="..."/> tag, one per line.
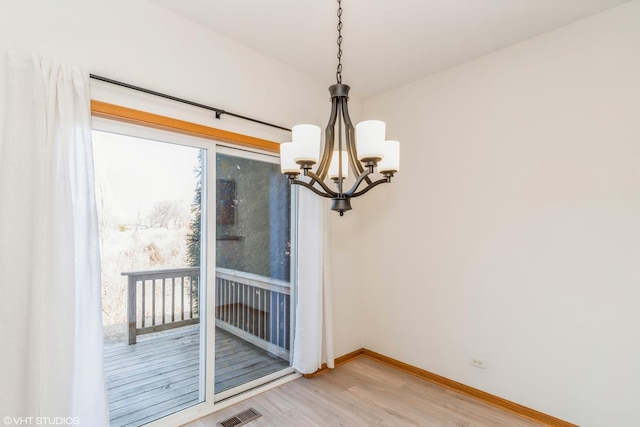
<point x="340" y="136"/>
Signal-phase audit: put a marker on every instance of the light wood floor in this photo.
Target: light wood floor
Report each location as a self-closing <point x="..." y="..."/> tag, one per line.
<point x="366" y="393"/>
<point x="160" y="375"/>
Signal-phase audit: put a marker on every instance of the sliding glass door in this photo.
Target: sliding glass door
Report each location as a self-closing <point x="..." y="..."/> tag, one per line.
<point x="196" y="257"/>
<point x="253" y="262"/>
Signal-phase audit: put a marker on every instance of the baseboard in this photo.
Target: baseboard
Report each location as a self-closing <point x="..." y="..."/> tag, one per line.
<point x="337" y="362"/>
<point x="483" y="396"/>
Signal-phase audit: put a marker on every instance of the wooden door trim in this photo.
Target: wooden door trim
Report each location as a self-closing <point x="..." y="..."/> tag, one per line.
<point x="156" y="121"/>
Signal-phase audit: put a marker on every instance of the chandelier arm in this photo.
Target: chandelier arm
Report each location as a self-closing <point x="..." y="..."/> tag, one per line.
<point x="356" y="184"/>
<point x="316" y="179"/>
<point x="312" y="188"/>
<point x="370" y="186"/>
<point x="351" y="145"/>
<point x="323" y="167"/>
<point x="351" y="149"/>
<point x="356" y="165"/>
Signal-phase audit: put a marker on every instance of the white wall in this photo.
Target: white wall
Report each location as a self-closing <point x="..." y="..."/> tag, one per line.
<point x="512" y="232"/>
<point x="515" y="216"/>
<point x="142" y="44"/>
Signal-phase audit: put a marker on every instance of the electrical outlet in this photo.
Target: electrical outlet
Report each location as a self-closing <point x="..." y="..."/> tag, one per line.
<point x="478" y="362"/>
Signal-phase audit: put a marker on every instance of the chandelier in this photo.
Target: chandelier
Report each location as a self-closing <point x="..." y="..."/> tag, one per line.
<point x="363" y="150"/>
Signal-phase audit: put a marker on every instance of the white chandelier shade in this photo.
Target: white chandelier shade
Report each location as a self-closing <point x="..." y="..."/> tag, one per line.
<point x="335" y="165"/>
<point x="390" y="162"/>
<point x="370" y="139"/>
<point x="370" y="142"/>
<point x="306" y="139"/>
<point x="288" y="163"/>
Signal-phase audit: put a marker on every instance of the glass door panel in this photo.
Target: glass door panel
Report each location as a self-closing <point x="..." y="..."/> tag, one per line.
<point x="253" y="257"/>
<point x="149" y="197"/>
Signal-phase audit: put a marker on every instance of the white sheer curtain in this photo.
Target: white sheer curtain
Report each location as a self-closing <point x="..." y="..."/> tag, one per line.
<point x="50" y="309"/>
<point x="313" y="341"/>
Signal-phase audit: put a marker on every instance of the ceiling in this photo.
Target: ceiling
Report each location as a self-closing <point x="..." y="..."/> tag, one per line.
<point x="386" y="43"/>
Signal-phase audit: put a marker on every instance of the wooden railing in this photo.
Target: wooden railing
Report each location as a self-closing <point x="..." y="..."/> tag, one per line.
<point x="156" y="300"/>
<point x="252" y="307"/>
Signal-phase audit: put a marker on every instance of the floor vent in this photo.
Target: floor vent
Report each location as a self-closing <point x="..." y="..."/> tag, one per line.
<point x="241" y="418"/>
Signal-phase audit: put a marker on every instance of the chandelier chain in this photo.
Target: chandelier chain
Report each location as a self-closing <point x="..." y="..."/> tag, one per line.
<point x="339" y="69"/>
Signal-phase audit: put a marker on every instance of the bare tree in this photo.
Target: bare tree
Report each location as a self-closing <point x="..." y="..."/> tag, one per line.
<point x="164" y="214"/>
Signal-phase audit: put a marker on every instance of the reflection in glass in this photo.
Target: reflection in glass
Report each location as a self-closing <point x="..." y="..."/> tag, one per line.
<point x="253" y="257"/>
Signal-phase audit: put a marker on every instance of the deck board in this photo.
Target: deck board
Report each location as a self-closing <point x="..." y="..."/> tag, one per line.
<point x="160" y="375"/>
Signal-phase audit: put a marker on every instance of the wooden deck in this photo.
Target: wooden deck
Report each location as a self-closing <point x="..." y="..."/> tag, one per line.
<point x="160" y="375"/>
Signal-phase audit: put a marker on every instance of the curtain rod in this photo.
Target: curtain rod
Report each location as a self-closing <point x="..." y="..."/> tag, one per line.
<point x="219" y="112"/>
